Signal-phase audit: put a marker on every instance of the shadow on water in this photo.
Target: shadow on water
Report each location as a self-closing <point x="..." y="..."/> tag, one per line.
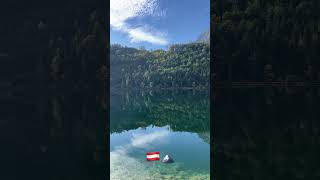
<point x="266" y="133"/>
<point x="53" y="135"/>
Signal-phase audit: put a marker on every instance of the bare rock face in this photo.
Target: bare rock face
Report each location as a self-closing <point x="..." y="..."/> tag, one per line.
<point x="167" y="159"/>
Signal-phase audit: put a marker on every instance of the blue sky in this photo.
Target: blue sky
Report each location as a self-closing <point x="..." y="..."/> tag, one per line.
<point x="156" y="24"/>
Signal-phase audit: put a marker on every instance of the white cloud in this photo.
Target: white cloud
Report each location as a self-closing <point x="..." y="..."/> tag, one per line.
<point x="141" y="34"/>
<point x="123" y="10"/>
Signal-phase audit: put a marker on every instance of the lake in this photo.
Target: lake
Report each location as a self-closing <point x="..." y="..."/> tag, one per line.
<point x="53" y="135"/>
<point x="173" y="122"/>
<point x="266" y="133"/>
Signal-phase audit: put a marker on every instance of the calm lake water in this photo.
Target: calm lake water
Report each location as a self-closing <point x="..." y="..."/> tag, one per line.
<point x="53" y="135"/>
<point x="176" y="123"/>
<point x="266" y="133"/>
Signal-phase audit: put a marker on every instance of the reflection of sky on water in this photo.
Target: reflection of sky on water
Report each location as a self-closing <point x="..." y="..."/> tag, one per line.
<point x="173" y="123"/>
<point x="127" y="154"/>
<point x="139" y="138"/>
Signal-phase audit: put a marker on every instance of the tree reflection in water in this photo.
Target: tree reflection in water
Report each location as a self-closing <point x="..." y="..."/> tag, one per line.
<point x="53" y="135"/>
<point x="266" y="133"/>
<point x="182" y="110"/>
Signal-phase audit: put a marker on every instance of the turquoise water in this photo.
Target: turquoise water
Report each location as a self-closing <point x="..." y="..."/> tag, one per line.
<point x="174" y="123"/>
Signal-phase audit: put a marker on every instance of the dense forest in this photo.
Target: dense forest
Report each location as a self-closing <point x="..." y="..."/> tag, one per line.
<point x="267" y="133"/>
<point x="40" y="47"/>
<point x="181" y="66"/>
<point x="53" y="72"/>
<point x="266" y="40"/>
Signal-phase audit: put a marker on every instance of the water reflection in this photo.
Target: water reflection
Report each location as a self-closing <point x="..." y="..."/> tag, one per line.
<point x="172" y="122"/>
<point x="183" y="111"/>
<point x="266" y="133"/>
<point x="53" y="135"/>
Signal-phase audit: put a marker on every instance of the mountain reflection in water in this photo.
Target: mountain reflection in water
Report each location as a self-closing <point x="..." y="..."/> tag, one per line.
<point x="171" y="122"/>
<point x="266" y="133"/>
<point x="183" y="110"/>
<point x="53" y="135"/>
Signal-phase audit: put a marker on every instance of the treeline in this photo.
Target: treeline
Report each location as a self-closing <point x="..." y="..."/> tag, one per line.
<point x="181" y="66"/>
<point x="266" y="40"/>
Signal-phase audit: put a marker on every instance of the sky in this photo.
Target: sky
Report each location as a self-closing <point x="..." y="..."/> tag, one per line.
<point x="157" y="24"/>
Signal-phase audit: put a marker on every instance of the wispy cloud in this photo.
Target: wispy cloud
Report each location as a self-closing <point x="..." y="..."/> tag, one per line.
<point x="123" y="10"/>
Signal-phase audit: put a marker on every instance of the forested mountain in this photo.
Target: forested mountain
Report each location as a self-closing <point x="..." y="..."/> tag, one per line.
<point x="181" y="66"/>
<point x="259" y="40"/>
<point x="40" y="47"/>
<point x="279" y="35"/>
